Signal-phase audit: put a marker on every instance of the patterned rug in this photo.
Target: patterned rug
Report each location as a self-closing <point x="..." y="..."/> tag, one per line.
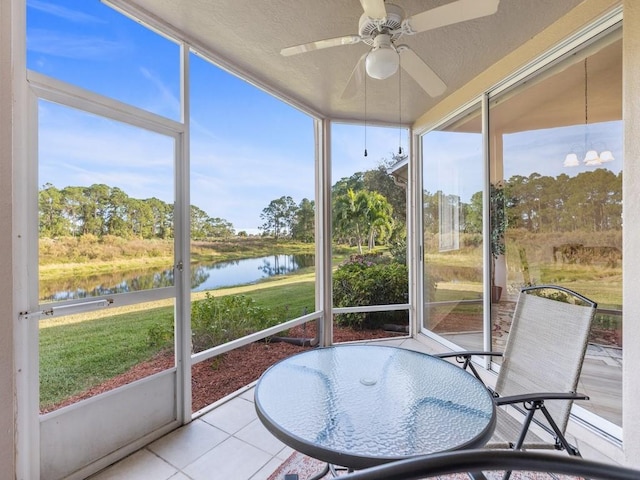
<point x="306" y="467"/>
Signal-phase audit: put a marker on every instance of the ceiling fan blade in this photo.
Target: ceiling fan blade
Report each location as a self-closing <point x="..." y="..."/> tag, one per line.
<point x="420" y="72"/>
<point x="374" y="9"/>
<point x="355" y="80"/>
<point x="319" y="44"/>
<point x="455" y="12"/>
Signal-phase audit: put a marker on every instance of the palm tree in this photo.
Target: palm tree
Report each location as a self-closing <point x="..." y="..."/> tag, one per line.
<point x="362" y="213"/>
<point x="379" y="214"/>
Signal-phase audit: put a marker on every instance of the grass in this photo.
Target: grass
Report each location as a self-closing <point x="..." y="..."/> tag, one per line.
<point x="80" y="355"/>
<point x="298" y="298"/>
<point x="80" y="351"/>
<point x="83" y="350"/>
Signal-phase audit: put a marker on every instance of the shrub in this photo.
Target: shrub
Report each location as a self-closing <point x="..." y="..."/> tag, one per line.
<point x="472" y="240"/>
<point x="398" y="250"/>
<point x="160" y="335"/>
<point x="215" y="321"/>
<point x="370" y="279"/>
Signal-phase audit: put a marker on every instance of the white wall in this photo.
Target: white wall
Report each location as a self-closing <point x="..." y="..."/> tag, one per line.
<point x="7" y="390"/>
<point x="631" y="239"/>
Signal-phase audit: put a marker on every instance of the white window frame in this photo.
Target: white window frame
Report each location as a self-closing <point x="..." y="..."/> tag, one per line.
<point x="585" y="38"/>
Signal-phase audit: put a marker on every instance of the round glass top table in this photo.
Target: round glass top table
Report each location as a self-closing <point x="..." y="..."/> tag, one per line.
<point x="363" y="405"/>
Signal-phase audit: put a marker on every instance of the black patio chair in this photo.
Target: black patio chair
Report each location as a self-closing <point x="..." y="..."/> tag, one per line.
<point x="483" y="460"/>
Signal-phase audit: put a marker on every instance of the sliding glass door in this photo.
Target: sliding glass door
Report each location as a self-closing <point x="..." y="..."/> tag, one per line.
<point x="452" y="182"/>
<point x="557" y="164"/>
<point x="552" y="175"/>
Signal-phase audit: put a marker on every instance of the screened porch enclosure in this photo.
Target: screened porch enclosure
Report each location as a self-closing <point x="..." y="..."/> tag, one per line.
<point x="462" y="211"/>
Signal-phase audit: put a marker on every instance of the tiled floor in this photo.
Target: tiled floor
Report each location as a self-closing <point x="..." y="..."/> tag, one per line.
<point x="227" y="443"/>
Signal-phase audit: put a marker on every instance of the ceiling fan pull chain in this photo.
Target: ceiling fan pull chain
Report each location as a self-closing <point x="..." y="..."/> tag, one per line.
<point x="365" y="115"/>
<point x="399" y="111"/>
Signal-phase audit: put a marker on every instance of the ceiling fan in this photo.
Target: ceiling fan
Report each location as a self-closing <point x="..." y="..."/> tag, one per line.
<point x="382" y="25"/>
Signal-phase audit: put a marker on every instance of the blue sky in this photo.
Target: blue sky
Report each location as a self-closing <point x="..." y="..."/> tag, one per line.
<point x="453" y="164"/>
<point x="247" y="148"/>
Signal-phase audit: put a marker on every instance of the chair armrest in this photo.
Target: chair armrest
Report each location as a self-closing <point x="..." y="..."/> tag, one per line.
<point x="464" y="358"/>
<point x="466" y="354"/>
<point x="540" y="397"/>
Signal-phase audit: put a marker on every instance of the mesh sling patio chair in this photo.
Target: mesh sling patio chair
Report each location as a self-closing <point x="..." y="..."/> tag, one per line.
<point x="452" y="463"/>
<point x="540" y="368"/>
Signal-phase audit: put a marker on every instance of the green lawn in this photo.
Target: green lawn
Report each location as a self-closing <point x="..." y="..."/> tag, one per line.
<point x="82" y="351"/>
<point x="77" y="356"/>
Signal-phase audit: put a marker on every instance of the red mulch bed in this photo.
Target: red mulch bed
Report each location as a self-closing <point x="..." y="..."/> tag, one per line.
<point x="216" y="378"/>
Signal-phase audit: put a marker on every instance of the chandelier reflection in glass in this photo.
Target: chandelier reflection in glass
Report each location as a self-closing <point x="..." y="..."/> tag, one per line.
<point x="591" y="156"/>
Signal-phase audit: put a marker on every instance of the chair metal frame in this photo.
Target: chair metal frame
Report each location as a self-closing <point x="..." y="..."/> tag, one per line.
<point x="479" y="460"/>
<point x="529" y="403"/>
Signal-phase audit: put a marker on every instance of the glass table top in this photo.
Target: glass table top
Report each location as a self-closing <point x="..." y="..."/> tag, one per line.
<point x="363" y="405"/>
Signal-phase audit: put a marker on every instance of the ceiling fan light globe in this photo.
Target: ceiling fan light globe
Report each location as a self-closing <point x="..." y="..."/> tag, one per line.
<point x="382" y="62"/>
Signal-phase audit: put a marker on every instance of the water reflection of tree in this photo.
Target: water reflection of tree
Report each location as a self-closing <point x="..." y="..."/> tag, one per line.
<point x="79" y="287"/>
<point x="223" y="265"/>
<point x="105" y="284"/>
<point x="199" y="275"/>
<point x="283" y="264"/>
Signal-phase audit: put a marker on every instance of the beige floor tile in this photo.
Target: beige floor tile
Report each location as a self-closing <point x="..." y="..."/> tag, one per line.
<point x="231" y="416"/>
<point x="233" y="459"/>
<point x="142" y="465"/>
<point x="181" y="447"/>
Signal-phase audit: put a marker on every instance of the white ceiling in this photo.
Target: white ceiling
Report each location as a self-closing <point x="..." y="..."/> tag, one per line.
<point x="247" y="35"/>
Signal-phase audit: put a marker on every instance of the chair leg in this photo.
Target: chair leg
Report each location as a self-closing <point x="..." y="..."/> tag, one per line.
<point x="523" y="435"/>
<point x="468" y="364"/>
<point x="525" y="428"/>
<point x="560" y="438"/>
<point x="476" y="476"/>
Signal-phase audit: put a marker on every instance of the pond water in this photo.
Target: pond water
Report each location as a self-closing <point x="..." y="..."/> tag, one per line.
<point x="203" y="277"/>
<point x="248" y="270"/>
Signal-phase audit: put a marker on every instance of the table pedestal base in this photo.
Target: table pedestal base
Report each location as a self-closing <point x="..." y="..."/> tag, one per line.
<point x="327" y="468"/>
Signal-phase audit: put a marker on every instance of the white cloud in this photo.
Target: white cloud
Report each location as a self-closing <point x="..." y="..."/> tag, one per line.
<point x="236" y="181"/>
<point x="82" y="47"/>
<point x="78" y="149"/>
<point x="63" y="12"/>
<point x="165" y="100"/>
<point x="349" y="145"/>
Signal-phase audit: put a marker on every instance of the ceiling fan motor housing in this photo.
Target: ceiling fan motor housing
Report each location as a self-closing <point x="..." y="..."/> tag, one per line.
<point x="369" y="28"/>
<point x="381" y="32"/>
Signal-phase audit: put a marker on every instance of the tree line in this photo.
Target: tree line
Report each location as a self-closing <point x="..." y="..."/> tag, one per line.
<point x="368" y="209"/>
<point x="102" y="210"/>
<point x="589" y="202"/>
